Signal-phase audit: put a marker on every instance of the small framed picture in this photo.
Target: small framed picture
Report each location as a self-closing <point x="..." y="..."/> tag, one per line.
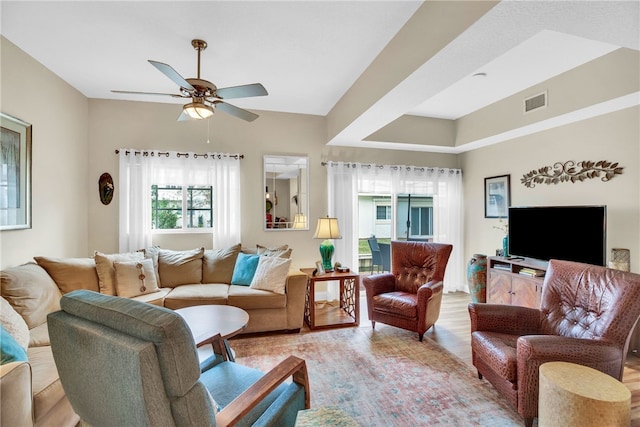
<point x="319" y="267"/>
<point x="497" y="196"/>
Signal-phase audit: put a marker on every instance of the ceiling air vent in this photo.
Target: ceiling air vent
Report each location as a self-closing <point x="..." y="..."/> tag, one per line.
<point x="535" y="102"/>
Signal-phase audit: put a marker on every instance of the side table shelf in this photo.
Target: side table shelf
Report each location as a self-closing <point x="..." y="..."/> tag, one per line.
<point x="346" y="313"/>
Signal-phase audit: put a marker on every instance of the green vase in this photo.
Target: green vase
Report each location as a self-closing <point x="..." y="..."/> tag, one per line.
<point x="505" y="246"/>
<point x="477" y="277"/>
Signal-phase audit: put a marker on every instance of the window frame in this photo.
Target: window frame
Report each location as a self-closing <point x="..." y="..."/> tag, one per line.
<point x="187" y="195"/>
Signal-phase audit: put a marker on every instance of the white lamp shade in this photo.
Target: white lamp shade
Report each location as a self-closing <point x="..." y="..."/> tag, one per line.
<point x="299" y="222"/>
<point x="198" y="110"/>
<point x="327" y="229"/>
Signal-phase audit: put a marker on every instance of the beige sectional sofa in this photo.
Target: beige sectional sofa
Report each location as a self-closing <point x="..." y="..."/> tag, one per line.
<point x="31" y="391"/>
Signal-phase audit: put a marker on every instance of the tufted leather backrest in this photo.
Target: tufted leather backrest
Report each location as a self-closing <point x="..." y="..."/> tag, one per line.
<point x="588" y="301"/>
<point x="417" y="263"/>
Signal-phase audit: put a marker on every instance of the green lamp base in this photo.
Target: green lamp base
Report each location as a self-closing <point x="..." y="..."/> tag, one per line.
<point x="326" y="252"/>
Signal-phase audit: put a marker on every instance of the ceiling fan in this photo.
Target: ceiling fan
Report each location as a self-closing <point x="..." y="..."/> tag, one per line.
<point x="205" y="96"/>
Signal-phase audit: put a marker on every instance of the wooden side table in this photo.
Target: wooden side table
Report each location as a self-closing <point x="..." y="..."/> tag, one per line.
<point x="348" y="311"/>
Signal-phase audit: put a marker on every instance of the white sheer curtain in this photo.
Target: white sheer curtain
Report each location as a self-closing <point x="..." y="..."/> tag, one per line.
<point x="346" y="180"/>
<point x="139" y="170"/>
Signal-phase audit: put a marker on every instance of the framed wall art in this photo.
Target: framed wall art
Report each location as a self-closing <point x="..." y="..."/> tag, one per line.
<point x="15" y="173"/>
<point x="497" y="196"/>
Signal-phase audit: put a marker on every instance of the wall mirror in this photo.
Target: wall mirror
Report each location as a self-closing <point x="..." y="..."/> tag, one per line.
<point x="286" y="192"/>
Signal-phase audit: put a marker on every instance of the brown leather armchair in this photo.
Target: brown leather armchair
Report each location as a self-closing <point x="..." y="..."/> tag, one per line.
<point x="409" y="297"/>
<point x="586" y="317"/>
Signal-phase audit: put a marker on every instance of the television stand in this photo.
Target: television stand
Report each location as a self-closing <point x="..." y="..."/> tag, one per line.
<point x="515" y="281"/>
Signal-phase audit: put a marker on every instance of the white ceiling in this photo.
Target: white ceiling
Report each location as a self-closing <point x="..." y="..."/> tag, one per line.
<point x="308" y="53"/>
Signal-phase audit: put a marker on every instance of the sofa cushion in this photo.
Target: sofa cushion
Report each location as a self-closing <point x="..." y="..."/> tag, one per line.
<point x="155" y="298"/>
<point x="39" y="336"/>
<point x="245" y="269"/>
<point x="10" y="349"/>
<point x="135" y="278"/>
<point x="106" y="272"/>
<point x="283" y="251"/>
<point x="248" y="298"/>
<point x="46" y="386"/>
<point x="71" y="273"/>
<point x="31" y="292"/>
<point x="177" y="268"/>
<point x="218" y="264"/>
<point x="271" y="274"/>
<point x="197" y="294"/>
<point x="13" y="323"/>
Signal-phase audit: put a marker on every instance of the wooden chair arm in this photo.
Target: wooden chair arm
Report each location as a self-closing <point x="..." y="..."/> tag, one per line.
<point x="241" y="405"/>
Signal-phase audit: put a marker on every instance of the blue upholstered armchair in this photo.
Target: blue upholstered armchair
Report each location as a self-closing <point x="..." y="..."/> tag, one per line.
<point x="124" y="362"/>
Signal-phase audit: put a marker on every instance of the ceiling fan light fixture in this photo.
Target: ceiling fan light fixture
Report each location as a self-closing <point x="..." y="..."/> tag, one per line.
<point x="198" y="110"/>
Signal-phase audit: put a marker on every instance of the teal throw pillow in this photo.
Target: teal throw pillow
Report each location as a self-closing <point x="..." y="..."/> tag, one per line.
<point x="245" y="269"/>
<point x="10" y="349"/>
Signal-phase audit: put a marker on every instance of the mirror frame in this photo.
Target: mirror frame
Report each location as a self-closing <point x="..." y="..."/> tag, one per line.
<point x="280" y="167"/>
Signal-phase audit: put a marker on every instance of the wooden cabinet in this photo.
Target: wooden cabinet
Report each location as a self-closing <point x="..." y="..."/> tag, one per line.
<point x="515" y="281"/>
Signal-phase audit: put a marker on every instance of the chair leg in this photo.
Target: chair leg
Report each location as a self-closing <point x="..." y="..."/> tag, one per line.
<point x="479" y="375"/>
<point x="528" y="422"/>
<point x="420" y="336"/>
<point x="373" y="324"/>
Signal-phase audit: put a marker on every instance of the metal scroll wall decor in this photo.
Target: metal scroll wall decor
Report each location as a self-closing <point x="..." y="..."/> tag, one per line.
<point x="571" y="171"/>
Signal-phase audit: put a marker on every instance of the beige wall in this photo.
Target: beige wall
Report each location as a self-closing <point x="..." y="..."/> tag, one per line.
<point x="118" y="124"/>
<point x="60" y="188"/>
<point x="614" y="137"/>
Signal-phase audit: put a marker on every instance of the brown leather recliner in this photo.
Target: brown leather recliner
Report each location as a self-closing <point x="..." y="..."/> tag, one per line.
<point x="586" y="317"/>
<point x="409" y="297"/>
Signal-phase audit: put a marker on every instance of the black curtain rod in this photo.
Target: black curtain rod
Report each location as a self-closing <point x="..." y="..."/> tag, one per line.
<point x="205" y="155"/>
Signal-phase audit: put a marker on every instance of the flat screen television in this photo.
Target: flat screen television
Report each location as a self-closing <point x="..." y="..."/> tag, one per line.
<point x="572" y="233"/>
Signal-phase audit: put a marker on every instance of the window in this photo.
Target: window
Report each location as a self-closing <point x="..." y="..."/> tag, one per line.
<point x="175" y="207"/>
<point x="421" y="221"/>
<point x="383" y="213"/>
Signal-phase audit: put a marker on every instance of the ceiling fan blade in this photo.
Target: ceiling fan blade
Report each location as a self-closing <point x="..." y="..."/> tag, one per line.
<point x="183" y="117"/>
<point x="168" y="71"/>
<point x="236" y="111"/>
<point x="245" y="91"/>
<point x="149" y="93"/>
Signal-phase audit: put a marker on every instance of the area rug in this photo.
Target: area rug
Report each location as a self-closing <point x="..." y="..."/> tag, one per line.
<point x="384" y="377"/>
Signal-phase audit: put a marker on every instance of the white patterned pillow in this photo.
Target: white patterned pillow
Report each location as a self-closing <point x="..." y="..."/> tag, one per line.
<point x="271" y="274"/>
<point x="135" y="278"/>
<point x="14" y="323"/>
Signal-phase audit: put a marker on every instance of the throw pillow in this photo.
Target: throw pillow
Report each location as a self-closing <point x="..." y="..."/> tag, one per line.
<point x="180" y="267"/>
<point x="271" y="274"/>
<point x="31" y="292"/>
<point x="71" y="273"/>
<point x="283" y="251"/>
<point x="13" y="323"/>
<point x="152" y="253"/>
<point x="217" y="265"/>
<point x="244" y="269"/>
<point x="135" y="278"/>
<point x="10" y="350"/>
<point x="106" y="272"/>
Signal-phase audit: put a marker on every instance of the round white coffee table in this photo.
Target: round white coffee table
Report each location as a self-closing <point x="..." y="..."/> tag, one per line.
<point x="207" y="321"/>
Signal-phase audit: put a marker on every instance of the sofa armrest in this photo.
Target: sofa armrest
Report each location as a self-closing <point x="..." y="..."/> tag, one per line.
<point x="16" y="407"/>
<point x="290" y="367"/>
<point x="296" y="290"/>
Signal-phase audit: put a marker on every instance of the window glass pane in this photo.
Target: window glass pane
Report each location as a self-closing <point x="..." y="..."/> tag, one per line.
<point x="166" y="207"/>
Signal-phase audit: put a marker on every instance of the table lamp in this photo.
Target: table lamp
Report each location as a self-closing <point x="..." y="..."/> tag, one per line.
<point x="327" y="229"/>
<point x="300" y="222"/>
